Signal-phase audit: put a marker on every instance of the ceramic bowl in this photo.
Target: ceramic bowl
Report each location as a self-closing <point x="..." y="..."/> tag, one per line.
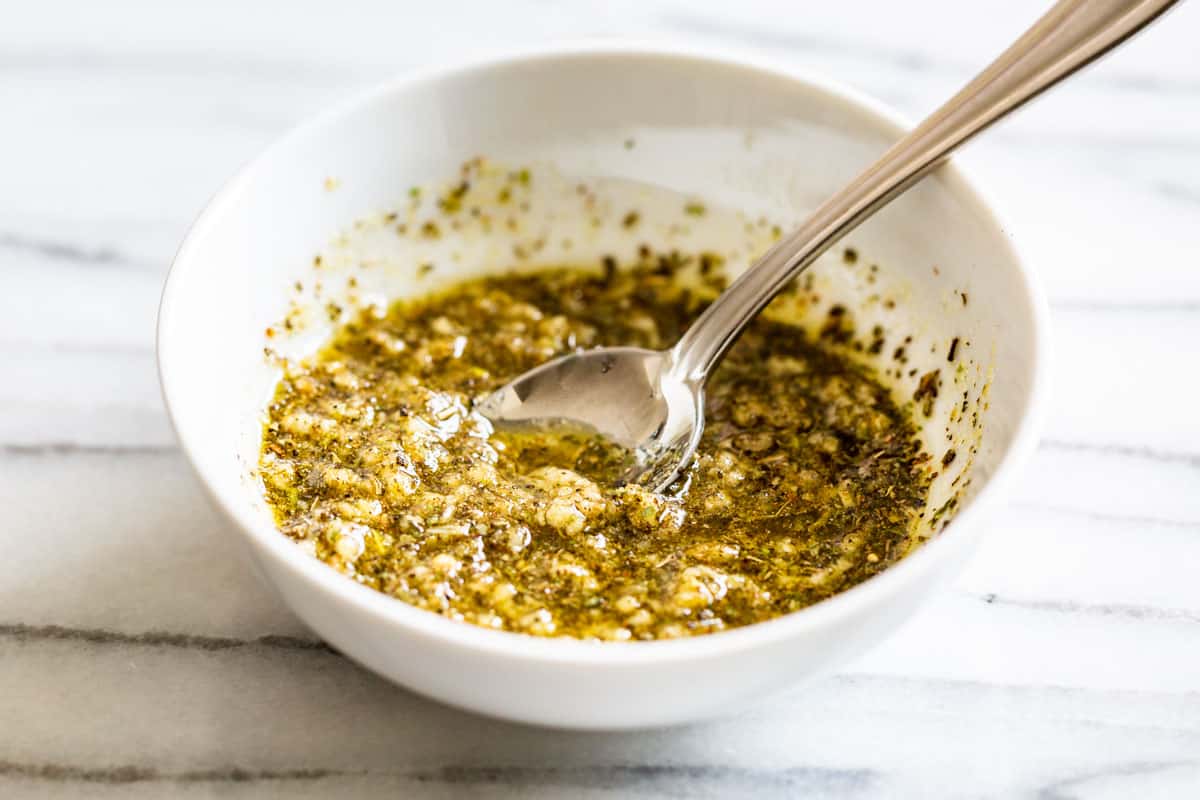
<point x="654" y="123"/>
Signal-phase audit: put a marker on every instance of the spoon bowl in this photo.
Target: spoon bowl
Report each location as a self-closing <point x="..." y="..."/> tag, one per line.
<point x="630" y="396"/>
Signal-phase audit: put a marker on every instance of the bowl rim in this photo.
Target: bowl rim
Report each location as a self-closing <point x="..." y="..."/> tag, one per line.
<point x="319" y="578"/>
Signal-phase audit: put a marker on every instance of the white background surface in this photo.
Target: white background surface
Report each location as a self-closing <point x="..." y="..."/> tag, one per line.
<point x="138" y="660"/>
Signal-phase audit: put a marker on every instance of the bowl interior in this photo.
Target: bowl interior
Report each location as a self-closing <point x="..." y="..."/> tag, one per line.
<point x="935" y="282"/>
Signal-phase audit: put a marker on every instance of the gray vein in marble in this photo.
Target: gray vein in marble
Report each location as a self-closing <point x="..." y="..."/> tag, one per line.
<point x="633" y="777"/>
<point x="1075" y="143"/>
<point x="185" y="63"/>
<point x="77" y="347"/>
<point x="128" y="773"/>
<point x="60" y="449"/>
<point x="677" y="780"/>
<point x="62" y="251"/>
<point x="1124" y="451"/>
<point x="335" y="73"/>
<point x="1071" y="305"/>
<point x="892" y="57"/>
<point x="1073" y="788"/>
<point x="1035" y="692"/>
<point x="1093" y="609"/>
<point x="21" y="633"/>
<point x="1115" y="142"/>
<point x="1179" y="192"/>
<point x="1103" y="517"/>
<point x="789" y="40"/>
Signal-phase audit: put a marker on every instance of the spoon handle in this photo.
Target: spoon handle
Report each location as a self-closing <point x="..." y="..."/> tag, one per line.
<point x="1071" y="35"/>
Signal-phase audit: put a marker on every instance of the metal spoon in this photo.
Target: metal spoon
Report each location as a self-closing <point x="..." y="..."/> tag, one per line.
<point x="653" y="401"/>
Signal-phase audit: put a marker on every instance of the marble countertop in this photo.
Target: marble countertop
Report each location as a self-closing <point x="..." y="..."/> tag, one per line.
<point x="138" y="660"/>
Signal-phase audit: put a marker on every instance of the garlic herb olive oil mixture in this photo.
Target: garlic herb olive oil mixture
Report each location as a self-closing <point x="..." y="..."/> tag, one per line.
<point x="809" y="478"/>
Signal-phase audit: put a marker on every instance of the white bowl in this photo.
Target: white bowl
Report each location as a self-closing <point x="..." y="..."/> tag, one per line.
<point x="737" y="133"/>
